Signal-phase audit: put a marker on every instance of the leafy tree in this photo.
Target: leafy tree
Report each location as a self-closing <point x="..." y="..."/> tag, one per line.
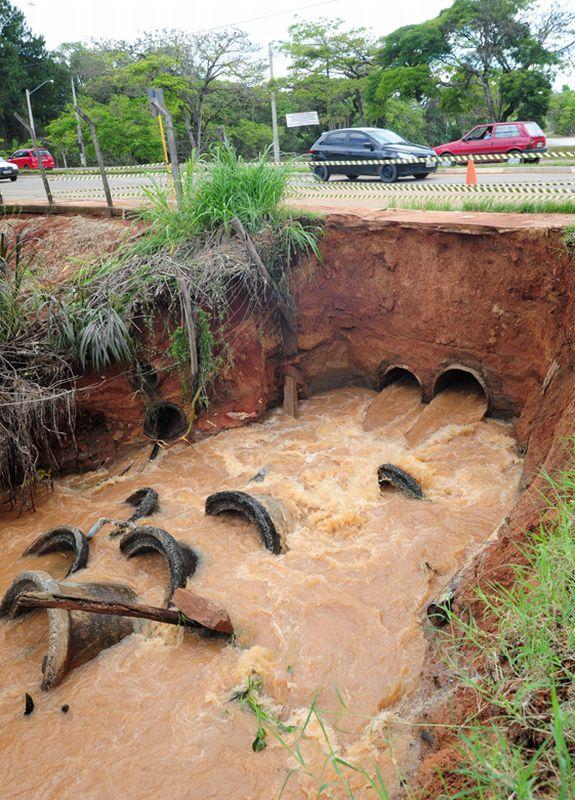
<point x="24" y="64"/>
<point x="502" y="52"/>
<point x="561" y="117"/>
<point x="329" y="67"/>
<point x="127" y="132"/>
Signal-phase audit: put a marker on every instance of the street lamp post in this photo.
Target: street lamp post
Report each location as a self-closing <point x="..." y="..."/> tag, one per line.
<point x="29" y="104"/>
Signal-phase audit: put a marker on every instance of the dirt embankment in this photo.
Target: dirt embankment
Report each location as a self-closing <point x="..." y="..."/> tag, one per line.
<point x="495" y="297"/>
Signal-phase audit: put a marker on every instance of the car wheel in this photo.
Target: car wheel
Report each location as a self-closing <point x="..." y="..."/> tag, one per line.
<point x="13" y="177"/>
<point x="446" y="160"/>
<point x="352" y="177"/>
<point x="321" y="173"/>
<point x="388" y="173"/>
<point x="514" y="157"/>
<point x="422" y="176"/>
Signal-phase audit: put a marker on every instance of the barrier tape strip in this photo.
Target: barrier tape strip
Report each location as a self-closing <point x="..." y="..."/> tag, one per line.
<point x="483" y="158"/>
<point x="446" y="188"/>
<point x="495" y="158"/>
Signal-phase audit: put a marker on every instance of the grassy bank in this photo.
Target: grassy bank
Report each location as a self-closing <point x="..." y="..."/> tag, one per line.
<point x="487" y="204"/>
<point x="174" y="277"/>
<point x="520" y="668"/>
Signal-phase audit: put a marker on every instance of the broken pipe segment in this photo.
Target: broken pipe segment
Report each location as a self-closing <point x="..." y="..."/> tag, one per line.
<point x="390" y="475"/>
<point x="64" y="537"/>
<point x="74" y="636"/>
<point x="267" y="513"/>
<point x="181" y="559"/>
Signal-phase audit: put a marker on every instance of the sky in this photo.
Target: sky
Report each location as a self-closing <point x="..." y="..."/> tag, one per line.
<point x="81" y="20"/>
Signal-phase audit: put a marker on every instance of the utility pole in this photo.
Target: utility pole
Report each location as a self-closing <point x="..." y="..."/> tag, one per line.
<point x="274" y="112"/>
<point x="30" y="115"/>
<point x="79" y="136"/>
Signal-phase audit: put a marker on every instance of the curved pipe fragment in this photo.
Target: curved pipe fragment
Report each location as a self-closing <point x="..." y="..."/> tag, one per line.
<point x="145" y="502"/>
<point x="182" y="560"/>
<point x="75" y="637"/>
<point x="390" y="475"/>
<point x="64" y="537"/>
<point x="264" y="511"/>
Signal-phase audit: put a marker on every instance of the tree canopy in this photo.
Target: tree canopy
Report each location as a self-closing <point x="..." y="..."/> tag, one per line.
<point x="476" y="61"/>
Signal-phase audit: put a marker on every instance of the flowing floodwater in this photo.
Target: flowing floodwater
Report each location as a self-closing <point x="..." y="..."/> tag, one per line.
<point x="336" y="618"/>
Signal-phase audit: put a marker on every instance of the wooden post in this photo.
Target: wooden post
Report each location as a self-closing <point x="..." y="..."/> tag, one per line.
<point x="285" y="308"/>
<point x="32" y="134"/>
<point x="117" y="608"/>
<point x="171" y="146"/>
<point x="191" y="328"/>
<point x="290" y="396"/>
<point x="99" y="157"/>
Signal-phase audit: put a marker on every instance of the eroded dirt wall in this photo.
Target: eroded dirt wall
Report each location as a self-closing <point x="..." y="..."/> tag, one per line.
<point x="392" y="289"/>
<point x="425" y="297"/>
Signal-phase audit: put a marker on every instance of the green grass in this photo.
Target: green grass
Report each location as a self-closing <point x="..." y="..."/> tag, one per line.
<point x="569" y="238"/>
<point x="488" y="204"/>
<point x="185" y="247"/>
<point x="520" y="665"/>
<point x="334" y="777"/>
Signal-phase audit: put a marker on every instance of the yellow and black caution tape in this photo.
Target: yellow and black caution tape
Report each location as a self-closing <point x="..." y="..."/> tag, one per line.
<point x="373" y="190"/>
<point x="434" y="160"/>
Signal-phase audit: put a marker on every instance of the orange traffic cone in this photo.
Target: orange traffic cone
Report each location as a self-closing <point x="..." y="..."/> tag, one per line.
<point x="471" y="175"/>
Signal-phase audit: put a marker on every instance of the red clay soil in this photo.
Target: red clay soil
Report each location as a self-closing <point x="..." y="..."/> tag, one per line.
<point x="491" y="293"/>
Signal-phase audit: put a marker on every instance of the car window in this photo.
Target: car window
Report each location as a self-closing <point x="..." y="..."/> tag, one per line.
<point x="44" y="152"/>
<point x="18" y="154"/>
<point x="358" y="139"/>
<point x="385" y="136"/>
<point x="335" y="139"/>
<point x="484" y="132"/>
<point x="505" y="131"/>
<point x="533" y="129"/>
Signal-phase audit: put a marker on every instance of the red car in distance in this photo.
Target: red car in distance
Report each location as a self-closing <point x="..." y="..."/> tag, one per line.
<point x="25" y="159"/>
<point x="522" y="141"/>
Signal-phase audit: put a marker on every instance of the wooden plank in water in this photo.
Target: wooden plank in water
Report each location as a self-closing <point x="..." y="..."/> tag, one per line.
<point x="290" y="396"/>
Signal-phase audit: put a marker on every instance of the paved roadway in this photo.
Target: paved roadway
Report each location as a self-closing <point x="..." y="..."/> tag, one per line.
<point x="130" y="187"/>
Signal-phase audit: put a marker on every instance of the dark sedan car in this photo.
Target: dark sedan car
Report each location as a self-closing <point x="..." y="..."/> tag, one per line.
<point x="367" y="144"/>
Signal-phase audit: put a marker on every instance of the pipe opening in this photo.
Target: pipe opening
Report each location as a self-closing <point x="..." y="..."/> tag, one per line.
<point x="165" y="422"/>
<point x="400" y="375"/>
<point x="464" y="380"/>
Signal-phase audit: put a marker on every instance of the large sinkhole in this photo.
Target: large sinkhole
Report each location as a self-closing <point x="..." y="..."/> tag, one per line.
<point x="442" y="354"/>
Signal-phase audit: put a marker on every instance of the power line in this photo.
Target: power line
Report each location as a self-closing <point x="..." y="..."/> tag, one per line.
<point x="267" y="16"/>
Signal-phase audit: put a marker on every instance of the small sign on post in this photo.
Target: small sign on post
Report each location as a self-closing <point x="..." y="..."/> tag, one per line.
<point x="155" y="94"/>
<point x="302" y="118"/>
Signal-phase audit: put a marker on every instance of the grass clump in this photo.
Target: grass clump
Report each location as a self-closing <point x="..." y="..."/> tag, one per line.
<point x="569" y="238"/>
<point x="488" y="204"/>
<point x="520" y="664"/>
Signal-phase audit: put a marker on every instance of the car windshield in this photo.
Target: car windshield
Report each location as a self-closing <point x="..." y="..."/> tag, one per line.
<point x="384" y="136"/>
<point x="533" y="129"/>
<point x="3" y="160"/>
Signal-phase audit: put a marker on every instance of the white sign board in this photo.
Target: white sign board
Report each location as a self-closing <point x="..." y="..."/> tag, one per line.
<point x="302" y="118"/>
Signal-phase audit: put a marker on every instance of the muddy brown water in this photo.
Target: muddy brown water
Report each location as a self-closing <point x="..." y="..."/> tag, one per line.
<point x="336" y="618"/>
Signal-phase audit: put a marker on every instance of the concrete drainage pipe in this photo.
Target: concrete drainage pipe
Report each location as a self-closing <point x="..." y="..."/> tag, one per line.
<point x="182" y="560"/>
<point x="267" y="513"/>
<point x="75" y="636"/>
<point x="64" y="537"/>
<point x="165" y="422"/>
<point x="390" y="475"/>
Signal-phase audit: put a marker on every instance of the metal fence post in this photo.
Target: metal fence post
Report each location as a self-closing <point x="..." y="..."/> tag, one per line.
<point x="32" y="134"/>
<point x="171" y="146"/>
<point x="99" y="157"/>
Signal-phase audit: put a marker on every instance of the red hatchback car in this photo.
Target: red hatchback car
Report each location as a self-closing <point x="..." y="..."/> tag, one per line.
<point x="25" y="159"/>
<point x="514" y="138"/>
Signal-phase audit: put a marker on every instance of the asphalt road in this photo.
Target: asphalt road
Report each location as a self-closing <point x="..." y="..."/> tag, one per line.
<point x="130" y="187"/>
